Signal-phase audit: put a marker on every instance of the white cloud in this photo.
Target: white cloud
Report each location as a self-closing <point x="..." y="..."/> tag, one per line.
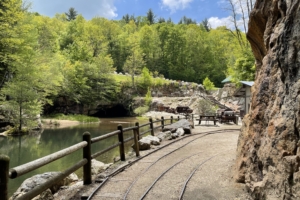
<point x="216" y="22"/>
<point x="174" y="5"/>
<point x="107" y="9"/>
<point x="226" y="21"/>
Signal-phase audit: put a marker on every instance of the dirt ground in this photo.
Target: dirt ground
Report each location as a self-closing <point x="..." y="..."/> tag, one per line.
<point x="51" y="123"/>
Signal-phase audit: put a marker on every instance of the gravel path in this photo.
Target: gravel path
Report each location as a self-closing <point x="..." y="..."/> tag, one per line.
<point x="211" y="157"/>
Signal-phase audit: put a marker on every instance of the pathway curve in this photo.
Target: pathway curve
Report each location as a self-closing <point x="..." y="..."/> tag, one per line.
<point x="202" y="162"/>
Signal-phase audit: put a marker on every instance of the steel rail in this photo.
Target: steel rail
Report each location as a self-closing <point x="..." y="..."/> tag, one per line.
<point x="117" y="171"/>
<point x="136" y="179"/>
<point x="193" y="172"/>
<point x="156" y="180"/>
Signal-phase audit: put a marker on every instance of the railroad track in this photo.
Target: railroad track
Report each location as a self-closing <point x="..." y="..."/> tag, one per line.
<point x="163" y="174"/>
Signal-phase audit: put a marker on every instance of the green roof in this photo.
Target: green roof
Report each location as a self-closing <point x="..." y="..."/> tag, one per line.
<point x="227" y="80"/>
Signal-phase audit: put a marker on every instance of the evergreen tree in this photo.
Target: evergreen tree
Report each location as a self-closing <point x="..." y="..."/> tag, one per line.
<point x="150" y="17"/>
<point x="126" y="18"/>
<point x="71" y="14"/>
<point x="161" y="20"/>
<point x="205" y="24"/>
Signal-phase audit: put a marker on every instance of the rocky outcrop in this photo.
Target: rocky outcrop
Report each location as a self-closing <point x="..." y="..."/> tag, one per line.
<point x="39" y="179"/>
<point x="268" y="147"/>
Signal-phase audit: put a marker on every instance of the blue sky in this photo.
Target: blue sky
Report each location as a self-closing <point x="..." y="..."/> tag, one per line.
<point x="114" y="9"/>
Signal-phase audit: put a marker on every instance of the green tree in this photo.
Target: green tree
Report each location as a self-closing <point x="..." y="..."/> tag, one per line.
<point x="148" y="97"/>
<point x="71" y="14"/>
<point x="11" y="17"/>
<point x="146" y="78"/>
<point x="243" y="68"/>
<point x="134" y="63"/>
<point x="205" y="24"/>
<point x="208" y="85"/>
<point x="150" y="16"/>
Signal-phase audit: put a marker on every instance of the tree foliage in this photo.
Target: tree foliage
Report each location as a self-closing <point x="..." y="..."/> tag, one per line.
<point x="71" y="14"/>
<point x="69" y="56"/>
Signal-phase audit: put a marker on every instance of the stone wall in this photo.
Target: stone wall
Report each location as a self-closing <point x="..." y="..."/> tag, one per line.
<point x="268" y="149"/>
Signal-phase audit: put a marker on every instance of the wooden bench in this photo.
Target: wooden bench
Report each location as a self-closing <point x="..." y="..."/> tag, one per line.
<point x="208" y="118"/>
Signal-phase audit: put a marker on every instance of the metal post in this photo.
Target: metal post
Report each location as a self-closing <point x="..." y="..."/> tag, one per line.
<point x="162" y="123"/>
<point x="136" y="133"/>
<point x="4" y="168"/>
<point x="171" y="119"/>
<point x="151" y="126"/>
<point x="121" y="140"/>
<point x="178" y="118"/>
<point x="87" y="168"/>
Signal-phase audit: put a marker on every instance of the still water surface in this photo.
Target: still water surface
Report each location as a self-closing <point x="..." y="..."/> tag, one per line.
<point x="30" y="147"/>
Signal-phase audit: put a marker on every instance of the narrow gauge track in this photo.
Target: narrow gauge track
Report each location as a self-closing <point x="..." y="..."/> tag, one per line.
<point x="138" y="176"/>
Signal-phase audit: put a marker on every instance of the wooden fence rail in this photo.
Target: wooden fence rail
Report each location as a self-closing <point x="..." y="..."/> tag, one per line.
<point x="85" y="145"/>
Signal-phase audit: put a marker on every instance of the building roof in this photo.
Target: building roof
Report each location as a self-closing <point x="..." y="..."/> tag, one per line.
<point x="227" y="80"/>
<point x="249" y="83"/>
<point x="240" y="92"/>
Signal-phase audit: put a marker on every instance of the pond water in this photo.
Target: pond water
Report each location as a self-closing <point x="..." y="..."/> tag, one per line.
<point x="26" y="148"/>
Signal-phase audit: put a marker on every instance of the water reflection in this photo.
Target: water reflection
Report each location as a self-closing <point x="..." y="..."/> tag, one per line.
<point x="23" y="149"/>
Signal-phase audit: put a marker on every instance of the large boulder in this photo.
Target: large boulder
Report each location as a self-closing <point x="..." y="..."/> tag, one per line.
<point x="183" y="123"/>
<point x="268" y="148"/>
<point x="146" y="142"/>
<point x="98" y="167"/>
<point x="39" y="179"/>
<point x="164" y="135"/>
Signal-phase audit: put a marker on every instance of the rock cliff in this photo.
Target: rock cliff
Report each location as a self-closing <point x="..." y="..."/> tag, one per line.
<point x="268" y="157"/>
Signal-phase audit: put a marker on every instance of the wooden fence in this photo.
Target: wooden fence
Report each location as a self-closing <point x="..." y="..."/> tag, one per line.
<point x="85" y="162"/>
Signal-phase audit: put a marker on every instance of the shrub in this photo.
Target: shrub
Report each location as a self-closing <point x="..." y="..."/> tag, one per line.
<point x="148" y="98"/>
<point x="205" y="107"/>
<point x="141" y="110"/>
<point x="208" y="85"/>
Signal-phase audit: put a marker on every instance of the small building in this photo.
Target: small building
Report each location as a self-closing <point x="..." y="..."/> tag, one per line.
<point x="244" y="92"/>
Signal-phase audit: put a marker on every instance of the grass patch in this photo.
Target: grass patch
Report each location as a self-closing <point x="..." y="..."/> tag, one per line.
<point x="80" y="118"/>
<point x="142" y="118"/>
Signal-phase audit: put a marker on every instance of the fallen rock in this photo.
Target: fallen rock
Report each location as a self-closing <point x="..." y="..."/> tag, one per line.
<point x="98" y="167"/>
<point x="175" y="135"/>
<point x="39" y="179"/>
<point x="164" y="135"/>
<point x="183" y="123"/>
<point x="180" y="131"/>
<point x="146" y="142"/>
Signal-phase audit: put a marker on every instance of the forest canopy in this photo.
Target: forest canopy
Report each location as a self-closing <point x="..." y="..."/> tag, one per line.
<point x="42" y="58"/>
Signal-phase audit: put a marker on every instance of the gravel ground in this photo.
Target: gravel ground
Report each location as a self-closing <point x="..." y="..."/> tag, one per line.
<point x="213" y="180"/>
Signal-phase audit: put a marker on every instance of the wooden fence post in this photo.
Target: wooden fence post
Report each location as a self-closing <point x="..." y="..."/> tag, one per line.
<point x="151" y="126"/>
<point x="171" y="119"/>
<point x="193" y="123"/>
<point x="87" y="168"/>
<point x="162" y="123"/>
<point x="138" y="130"/>
<point x="4" y="168"/>
<point x="136" y="133"/>
<point x="121" y="140"/>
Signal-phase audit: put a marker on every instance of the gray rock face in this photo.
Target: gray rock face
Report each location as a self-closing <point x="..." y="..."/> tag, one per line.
<point x="268" y="148"/>
<point x="39" y="179"/>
